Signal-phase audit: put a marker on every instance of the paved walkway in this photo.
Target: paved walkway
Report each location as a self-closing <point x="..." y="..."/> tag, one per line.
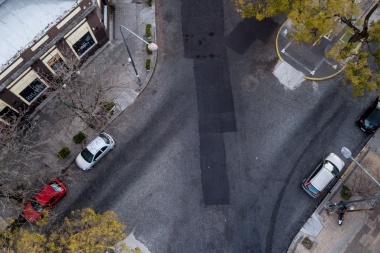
<point x="360" y="231"/>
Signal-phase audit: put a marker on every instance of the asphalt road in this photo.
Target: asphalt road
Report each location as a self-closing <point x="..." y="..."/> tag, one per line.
<point x="211" y="155"/>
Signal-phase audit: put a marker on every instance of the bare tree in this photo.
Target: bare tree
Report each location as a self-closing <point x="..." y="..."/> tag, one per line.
<point x="89" y="92"/>
<point x="362" y="185"/>
<point x="19" y="151"/>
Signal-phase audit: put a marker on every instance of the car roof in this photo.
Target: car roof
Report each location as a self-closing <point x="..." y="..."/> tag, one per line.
<point x="48" y="192"/>
<point x="336" y="160"/>
<point x="95" y="145"/>
<point x="322" y="179"/>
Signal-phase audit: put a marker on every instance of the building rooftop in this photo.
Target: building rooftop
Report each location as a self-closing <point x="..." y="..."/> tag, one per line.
<point x="23" y="22"/>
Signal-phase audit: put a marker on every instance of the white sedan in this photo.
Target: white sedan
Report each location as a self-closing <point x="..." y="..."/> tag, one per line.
<point x="94" y="151"/>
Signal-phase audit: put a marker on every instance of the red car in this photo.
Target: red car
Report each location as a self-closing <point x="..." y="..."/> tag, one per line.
<point x="53" y="191"/>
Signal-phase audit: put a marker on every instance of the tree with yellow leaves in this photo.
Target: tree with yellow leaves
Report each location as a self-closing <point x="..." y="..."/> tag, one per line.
<point x="328" y="17"/>
<point x="84" y="231"/>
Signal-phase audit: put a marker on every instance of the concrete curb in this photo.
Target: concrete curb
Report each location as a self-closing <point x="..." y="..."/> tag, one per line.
<point x="278" y="34"/>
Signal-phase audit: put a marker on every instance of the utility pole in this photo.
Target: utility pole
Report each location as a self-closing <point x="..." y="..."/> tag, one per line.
<point x="151" y="46"/>
<point x="345" y="203"/>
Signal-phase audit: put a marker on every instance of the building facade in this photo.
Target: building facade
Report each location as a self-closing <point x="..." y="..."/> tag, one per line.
<point x="80" y="32"/>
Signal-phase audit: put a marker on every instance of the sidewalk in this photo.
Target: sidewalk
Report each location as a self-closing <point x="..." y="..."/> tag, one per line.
<point x="360" y="231"/>
<point x="310" y="58"/>
<point x="47" y="119"/>
<point x="56" y="131"/>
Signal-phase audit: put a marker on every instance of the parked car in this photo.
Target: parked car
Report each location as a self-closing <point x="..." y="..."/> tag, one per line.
<point x="53" y="191"/>
<point x="94" y="151"/>
<point x="369" y="122"/>
<point x="323" y="175"/>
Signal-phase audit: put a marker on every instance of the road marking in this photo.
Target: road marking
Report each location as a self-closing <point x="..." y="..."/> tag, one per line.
<point x="299" y="63"/>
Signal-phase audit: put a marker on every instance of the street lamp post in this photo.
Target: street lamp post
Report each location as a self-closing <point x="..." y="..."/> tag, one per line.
<point x="151" y="46"/>
<point x="347" y="154"/>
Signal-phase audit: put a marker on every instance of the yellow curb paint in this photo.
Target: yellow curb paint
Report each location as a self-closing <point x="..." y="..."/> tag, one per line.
<point x="278" y="34"/>
<point x="306" y="77"/>
<point x="319" y="39"/>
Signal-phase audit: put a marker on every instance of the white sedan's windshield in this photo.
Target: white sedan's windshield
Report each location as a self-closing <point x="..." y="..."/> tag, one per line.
<point x="87" y="155"/>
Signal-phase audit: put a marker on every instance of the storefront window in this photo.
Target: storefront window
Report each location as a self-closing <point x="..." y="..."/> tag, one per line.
<point x="32" y="90"/>
<point x="7" y="112"/>
<point x="56" y="62"/>
<point x="83" y="44"/>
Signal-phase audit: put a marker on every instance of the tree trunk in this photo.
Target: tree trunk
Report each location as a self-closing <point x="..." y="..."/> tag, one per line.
<point x="363" y="34"/>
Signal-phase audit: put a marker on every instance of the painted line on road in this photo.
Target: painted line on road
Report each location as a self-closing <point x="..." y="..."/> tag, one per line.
<point x="306" y="77"/>
<point x="287" y="45"/>
<point x="326" y="77"/>
<point x="299" y="63"/>
<point x="319" y="64"/>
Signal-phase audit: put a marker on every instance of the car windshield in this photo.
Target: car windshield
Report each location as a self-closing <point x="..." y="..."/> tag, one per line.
<point x="312" y="189"/>
<point x="105" y="138"/>
<point x="87" y="155"/>
<point x="55" y="187"/>
<point x="331" y="167"/>
<point x="36" y="206"/>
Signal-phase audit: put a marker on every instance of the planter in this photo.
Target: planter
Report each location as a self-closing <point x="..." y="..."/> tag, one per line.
<point x="147" y="64"/>
<point x="148" y="32"/>
<point x="79" y="137"/>
<point x="64" y="152"/>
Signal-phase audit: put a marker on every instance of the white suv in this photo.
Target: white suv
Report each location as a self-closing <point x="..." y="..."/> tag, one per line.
<point x="323" y="175"/>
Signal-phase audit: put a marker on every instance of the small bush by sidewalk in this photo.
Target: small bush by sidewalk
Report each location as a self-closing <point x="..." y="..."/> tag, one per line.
<point x="79" y="137"/>
<point x="65" y="151"/>
<point x="345" y="192"/>
<point x="307" y="243"/>
<point x="147" y="64"/>
<point x="148" y="31"/>
<point x="108" y="106"/>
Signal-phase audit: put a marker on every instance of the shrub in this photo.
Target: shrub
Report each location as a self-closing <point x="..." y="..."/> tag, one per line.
<point x="65" y="151"/>
<point x="79" y="137"/>
<point x="108" y="106"/>
<point x="59" y="80"/>
<point x="150" y="3"/>
<point x="345" y="192"/>
<point x="307" y="243"/>
<point x="148" y="31"/>
<point x="147" y="64"/>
